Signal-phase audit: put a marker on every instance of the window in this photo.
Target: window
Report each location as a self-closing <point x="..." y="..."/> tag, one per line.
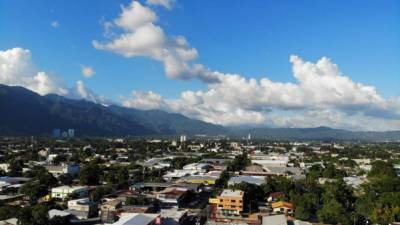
<point x="233" y="206"/>
<point x="233" y="200"/>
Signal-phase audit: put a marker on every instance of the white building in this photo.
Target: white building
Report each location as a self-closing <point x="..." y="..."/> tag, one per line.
<point x="63" y="191"/>
<point x="138" y="219"/>
<point x="63" y="169"/>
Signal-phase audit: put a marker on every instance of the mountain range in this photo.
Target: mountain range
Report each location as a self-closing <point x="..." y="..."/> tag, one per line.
<point x="23" y="112"/>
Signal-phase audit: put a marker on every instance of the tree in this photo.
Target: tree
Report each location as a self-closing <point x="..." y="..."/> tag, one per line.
<point x="37" y="215"/>
<point x="306" y="205"/>
<point x="33" y="190"/>
<point x="7" y="212"/>
<point x="99" y="192"/>
<point x="15" y="168"/>
<point x="381" y="168"/>
<point x="40" y="215"/>
<point x="332" y="213"/>
<point x="89" y="174"/>
<point x="25" y="216"/>
<point x="66" y="179"/>
<point x="59" y="220"/>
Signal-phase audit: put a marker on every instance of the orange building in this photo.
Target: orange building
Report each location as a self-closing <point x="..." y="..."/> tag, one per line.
<point x="229" y="202"/>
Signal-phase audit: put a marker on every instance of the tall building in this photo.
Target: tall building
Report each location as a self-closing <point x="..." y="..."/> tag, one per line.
<point x="183" y="138"/>
<point x="71" y="133"/>
<point x="56" y="133"/>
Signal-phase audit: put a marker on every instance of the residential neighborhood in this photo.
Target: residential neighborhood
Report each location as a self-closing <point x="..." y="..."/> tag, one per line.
<point x="170" y="181"/>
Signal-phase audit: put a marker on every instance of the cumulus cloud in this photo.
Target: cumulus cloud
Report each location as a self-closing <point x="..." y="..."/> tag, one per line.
<point x="87" y="71"/>
<point x="321" y="95"/>
<point x="141" y="36"/>
<point x="145" y="100"/>
<point x="18" y="69"/>
<point x="165" y="3"/>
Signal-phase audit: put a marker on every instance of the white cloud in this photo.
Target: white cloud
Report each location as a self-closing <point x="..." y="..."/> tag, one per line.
<point x="18" y="69"/>
<point x="55" y="24"/>
<point x="82" y="92"/>
<point x="165" y="3"/>
<point x="141" y="36"/>
<point x="322" y="96"/>
<point x="145" y="100"/>
<point x="87" y="71"/>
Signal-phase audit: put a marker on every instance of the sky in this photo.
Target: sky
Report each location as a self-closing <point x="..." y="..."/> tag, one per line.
<point x="237" y="63"/>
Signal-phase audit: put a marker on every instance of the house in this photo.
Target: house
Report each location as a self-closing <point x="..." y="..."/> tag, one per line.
<point x="109" y="210"/>
<point x="11" y="221"/>
<point x="171" y="196"/>
<point x="173" y="216"/>
<point x="228" y="203"/>
<point x="138" y="219"/>
<point x="274" y="220"/>
<point x="12" y="182"/>
<point x="5" y="167"/>
<point x="282" y="207"/>
<point x="83" y="205"/>
<point x="257" y="180"/>
<point x="200" y="167"/>
<point x="62" y="192"/>
<point x="63" y="169"/>
<point x="275" y="196"/>
<point x="198" y="179"/>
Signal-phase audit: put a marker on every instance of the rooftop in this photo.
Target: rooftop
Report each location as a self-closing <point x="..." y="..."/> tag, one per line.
<point x="231" y="193"/>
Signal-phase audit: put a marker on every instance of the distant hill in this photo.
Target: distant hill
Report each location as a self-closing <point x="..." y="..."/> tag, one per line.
<point x="23" y="112"/>
<point x="317" y="133"/>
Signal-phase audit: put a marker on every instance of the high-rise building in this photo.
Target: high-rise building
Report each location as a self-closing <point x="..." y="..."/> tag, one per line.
<point x="56" y="133"/>
<point x="71" y="133"/>
<point x="183" y="138"/>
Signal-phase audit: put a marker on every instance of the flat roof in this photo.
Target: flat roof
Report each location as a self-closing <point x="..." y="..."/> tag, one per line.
<point x="231" y="193"/>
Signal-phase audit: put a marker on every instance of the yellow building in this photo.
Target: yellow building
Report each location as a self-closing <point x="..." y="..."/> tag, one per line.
<point x="229" y="202"/>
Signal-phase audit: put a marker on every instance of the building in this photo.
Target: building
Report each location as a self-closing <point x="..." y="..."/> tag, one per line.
<point x="138" y="219"/>
<point x="257" y="180"/>
<point x="228" y="203"/>
<point x="109" y="210"/>
<point x="56" y="133"/>
<point x="198" y="179"/>
<point x="62" y="192"/>
<point x="71" y="133"/>
<point x="173" y="216"/>
<point x="83" y="206"/>
<point x="183" y="138"/>
<point x="274" y="220"/>
<point x="282" y="207"/>
<point x="200" y="167"/>
<point x="5" y="167"/>
<point x="171" y="196"/>
<point x="63" y="169"/>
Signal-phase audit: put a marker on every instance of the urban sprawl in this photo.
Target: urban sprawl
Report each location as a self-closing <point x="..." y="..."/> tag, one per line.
<point x="197" y="180"/>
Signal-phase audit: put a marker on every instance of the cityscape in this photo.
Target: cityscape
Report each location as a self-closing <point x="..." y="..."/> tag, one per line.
<point x="172" y="112"/>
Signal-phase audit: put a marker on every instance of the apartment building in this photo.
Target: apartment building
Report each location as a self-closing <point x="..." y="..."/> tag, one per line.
<point x="228" y="203"/>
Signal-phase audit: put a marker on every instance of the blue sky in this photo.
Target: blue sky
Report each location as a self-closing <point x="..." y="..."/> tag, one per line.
<point x="252" y="38"/>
